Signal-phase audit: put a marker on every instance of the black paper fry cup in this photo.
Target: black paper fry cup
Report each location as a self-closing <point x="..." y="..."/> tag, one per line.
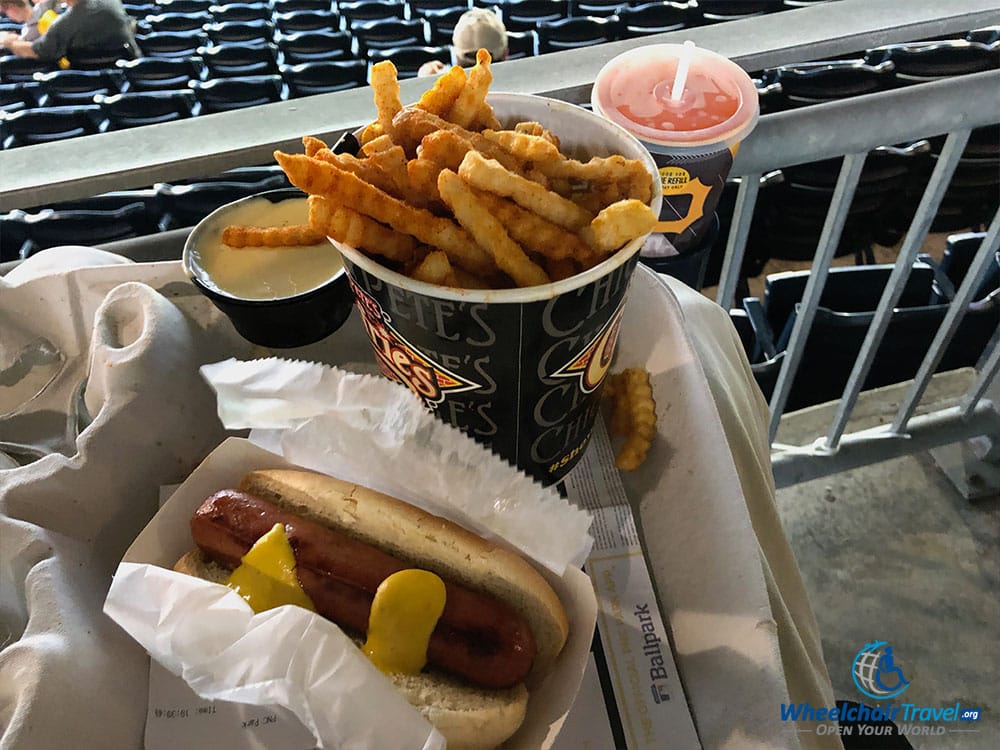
<point x="520" y="370"/>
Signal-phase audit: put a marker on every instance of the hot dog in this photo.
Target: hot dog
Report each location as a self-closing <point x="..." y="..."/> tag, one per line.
<point x="501" y="622"/>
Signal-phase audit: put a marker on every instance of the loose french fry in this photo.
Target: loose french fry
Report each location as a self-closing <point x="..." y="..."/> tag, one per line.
<point x="473" y="96"/>
<point x="617" y="224"/>
<point x="317" y="177"/>
<point x="433" y="269"/>
<point x="488" y="231"/>
<point x="441" y="97"/>
<point x="532" y="231"/>
<point x="633" y="415"/>
<point x="290" y="236"/>
<point x="385" y="84"/>
<point x="524" y="146"/>
<point x="313" y="145"/>
<point x="489" y="175"/>
<point x="358" y="231"/>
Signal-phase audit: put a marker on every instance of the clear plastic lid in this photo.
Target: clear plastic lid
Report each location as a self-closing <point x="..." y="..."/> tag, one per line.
<point x="718" y="103"/>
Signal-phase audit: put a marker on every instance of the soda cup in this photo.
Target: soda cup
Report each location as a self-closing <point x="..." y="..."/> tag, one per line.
<point x="690" y="108"/>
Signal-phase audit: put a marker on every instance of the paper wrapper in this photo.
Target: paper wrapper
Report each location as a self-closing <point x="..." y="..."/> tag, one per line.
<point x="367" y="430"/>
<point x="293" y="658"/>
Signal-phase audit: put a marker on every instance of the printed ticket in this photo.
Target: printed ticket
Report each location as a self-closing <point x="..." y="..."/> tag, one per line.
<point x="648" y="708"/>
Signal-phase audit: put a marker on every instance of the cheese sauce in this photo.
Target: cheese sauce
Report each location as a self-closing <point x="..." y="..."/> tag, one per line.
<point x="266" y="575"/>
<point x="405" y="611"/>
<point x="263" y="272"/>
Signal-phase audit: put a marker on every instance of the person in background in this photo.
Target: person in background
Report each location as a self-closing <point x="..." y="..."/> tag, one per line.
<point x="43" y="14"/>
<point x="86" y="24"/>
<point x="477" y="28"/>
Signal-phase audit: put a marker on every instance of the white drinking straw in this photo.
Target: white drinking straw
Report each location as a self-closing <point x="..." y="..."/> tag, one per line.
<point x="682" y="71"/>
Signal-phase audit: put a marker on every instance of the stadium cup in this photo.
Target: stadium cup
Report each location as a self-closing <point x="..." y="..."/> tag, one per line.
<point x="691" y="108"/>
<point x="520" y="370"/>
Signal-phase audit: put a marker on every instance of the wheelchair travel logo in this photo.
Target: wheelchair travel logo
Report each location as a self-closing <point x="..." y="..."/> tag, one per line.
<point x="875" y="673"/>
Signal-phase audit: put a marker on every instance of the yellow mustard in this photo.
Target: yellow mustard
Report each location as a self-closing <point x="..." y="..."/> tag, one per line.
<point x="266" y="576"/>
<point x="405" y="610"/>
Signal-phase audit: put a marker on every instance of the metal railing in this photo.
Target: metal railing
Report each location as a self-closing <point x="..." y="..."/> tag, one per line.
<point x="37" y="175"/>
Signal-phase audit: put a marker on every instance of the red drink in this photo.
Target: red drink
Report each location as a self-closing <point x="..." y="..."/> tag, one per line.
<point x="692" y="137"/>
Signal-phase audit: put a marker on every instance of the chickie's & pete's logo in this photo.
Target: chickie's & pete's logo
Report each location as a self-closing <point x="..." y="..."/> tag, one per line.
<point x="592" y="364"/>
<point x="401" y="361"/>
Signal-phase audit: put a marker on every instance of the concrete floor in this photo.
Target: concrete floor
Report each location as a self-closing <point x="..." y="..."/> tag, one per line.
<point x="893" y="552"/>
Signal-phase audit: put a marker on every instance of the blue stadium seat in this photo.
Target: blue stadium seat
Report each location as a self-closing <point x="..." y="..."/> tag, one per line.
<point x="159" y="74"/>
<point x="22" y="69"/>
<point x="441" y="24"/>
<point x="572" y="33"/>
<point x="173" y="22"/>
<point x="369" y="10"/>
<point x="598" y="8"/>
<point x="306" y="20"/>
<point x="389" y="34"/>
<point x="985" y="35"/>
<point x="524" y="15"/>
<point x="186" y="205"/>
<point x="65" y="87"/>
<point x="916" y="62"/>
<point x="23" y="94"/>
<point x="235" y="59"/>
<point x="184" y="6"/>
<point x="310" y="46"/>
<point x="307" y="79"/>
<point x="286" y="6"/>
<point x="409" y="59"/>
<point x="141" y="10"/>
<point x="115" y="200"/>
<point x="146" y="108"/>
<point x="225" y="94"/>
<point x="43" y="125"/>
<point x="51" y="228"/>
<point x="654" y="18"/>
<point x="171" y="44"/>
<point x="418" y="8"/>
<point x="719" y="11"/>
<point x="815" y="82"/>
<point x="240" y="12"/>
<point x="521" y="44"/>
<point x="239" y="31"/>
<point x="99" y="58"/>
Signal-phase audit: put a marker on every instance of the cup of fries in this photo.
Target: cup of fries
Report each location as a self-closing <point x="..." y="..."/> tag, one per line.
<point x="490" y="241"/>
<point x="277" y="280"/>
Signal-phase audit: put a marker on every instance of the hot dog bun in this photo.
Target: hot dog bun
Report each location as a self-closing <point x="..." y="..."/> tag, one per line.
<point x="469" y="717"/>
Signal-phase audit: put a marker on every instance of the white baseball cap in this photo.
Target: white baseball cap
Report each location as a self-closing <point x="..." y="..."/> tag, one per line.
<point x="479" y="28"/>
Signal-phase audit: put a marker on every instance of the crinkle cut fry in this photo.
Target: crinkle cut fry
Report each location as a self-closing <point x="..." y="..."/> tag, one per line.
<point x="602" y="169"/>
<point x="385" y="85"/>
<point x="359" y="231"/>
<point x="473" y="95"/>
<point x="533" y="232"/>
<point x="524" y="145"/>
<point x="618" y="224"/>
<point x="411" y="125"/>
<point x="634" y="394"/>
<point x="488" y="231"/>
<point x="287" y="236"/>
<point x="321" y="178"/>
<point x="489" y="175"/>
<point x="440" y="98"/>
